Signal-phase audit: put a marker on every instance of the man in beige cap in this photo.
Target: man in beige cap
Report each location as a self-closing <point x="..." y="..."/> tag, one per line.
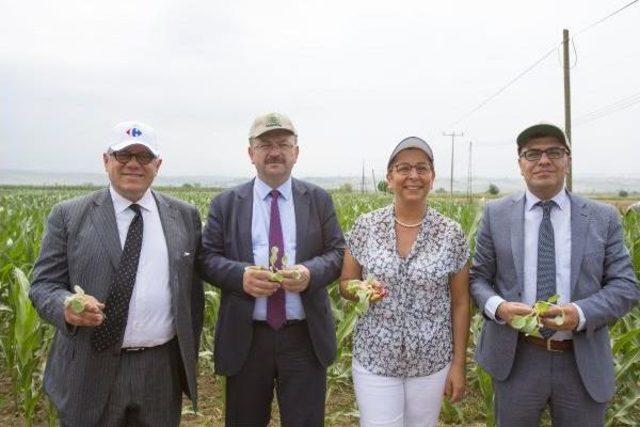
<point x="126" y="358"/>
<point x="272" y="333"/>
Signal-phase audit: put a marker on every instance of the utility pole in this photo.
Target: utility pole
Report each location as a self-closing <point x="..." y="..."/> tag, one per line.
<point x="373" y="176"/>
<point x="567" y="101"/>
<point x="453" y="136"/>
<point x="470" y="176"/>
<point x="362" y="188"/>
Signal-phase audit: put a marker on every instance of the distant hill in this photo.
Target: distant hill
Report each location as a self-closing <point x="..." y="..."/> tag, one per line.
<point x="582" y="184"/>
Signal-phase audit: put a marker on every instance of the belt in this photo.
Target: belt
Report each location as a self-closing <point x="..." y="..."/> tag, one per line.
<point x="289" y="322"/>
<point x="550" y="345"/>
<point x="141" y="349"/>
<point x="133" y="349"/>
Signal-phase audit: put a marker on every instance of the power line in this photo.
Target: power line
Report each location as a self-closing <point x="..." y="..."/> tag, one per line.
<point x="506" y="86"/>
<point x="601" y="20"/>
<point x="613" y="104"/>
<point x="536" y="63"/>
<point x="607" y="110"/>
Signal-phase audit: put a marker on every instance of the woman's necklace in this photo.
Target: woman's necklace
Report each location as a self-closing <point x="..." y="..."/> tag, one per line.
<point x="417" y="224"/>
<point x="408" y="225"/>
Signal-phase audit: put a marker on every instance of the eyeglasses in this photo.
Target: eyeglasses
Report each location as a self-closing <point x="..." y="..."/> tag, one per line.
<point x="552" y="153"/>
<point x="405" y="168"/>
<point x="125" y="157"/>
<point x="267" y="146"/>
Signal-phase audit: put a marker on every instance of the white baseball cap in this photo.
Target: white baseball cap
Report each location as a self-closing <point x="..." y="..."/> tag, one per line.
<point x="125" y="134"/>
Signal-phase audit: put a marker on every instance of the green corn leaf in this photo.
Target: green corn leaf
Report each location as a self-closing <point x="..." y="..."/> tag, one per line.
<point x="518" y="322"/>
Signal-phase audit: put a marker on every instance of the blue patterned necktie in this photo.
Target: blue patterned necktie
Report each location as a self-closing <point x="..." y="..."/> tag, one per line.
<point x="116" y="308"/>
<point x="546" y="271"/>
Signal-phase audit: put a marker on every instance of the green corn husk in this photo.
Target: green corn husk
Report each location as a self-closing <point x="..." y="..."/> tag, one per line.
<point x="77" y="301"/>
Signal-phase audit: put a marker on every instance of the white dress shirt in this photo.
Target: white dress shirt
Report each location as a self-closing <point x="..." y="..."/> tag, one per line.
<point x="561" y="221"/>
<point x="260" y="240"/>
<point x="150" y="321"/>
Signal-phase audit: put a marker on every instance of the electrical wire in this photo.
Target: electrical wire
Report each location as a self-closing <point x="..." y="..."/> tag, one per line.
<point x="537" y="62"/>
<point x="607" y="110"/>
<point x="506" y="86"/>
<point x="601" y="20"/>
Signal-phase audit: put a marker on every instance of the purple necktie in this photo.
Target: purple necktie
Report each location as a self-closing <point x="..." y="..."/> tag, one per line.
<point x="276" y="315"/>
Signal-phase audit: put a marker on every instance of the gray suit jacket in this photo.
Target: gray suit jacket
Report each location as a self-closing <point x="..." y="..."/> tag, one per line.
<point x="81" y="247"/>
<point x="227" y="249"/>
<point x="603" y="284"/>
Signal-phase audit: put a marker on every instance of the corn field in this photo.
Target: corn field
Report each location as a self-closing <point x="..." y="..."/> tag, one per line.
<point x="24" y="338"/>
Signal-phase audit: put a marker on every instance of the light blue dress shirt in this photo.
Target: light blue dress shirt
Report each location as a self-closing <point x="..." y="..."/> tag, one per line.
<point x="260" y="240"/>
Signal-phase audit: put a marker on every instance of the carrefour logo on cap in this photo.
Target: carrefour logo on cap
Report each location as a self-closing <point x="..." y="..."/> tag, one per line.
<point x="134" y="132"/>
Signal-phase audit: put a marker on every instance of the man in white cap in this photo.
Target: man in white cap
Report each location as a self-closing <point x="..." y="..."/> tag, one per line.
<point x="273" y="334"/>
<point x="538" y="244"/>
<point x="126" y="358"/>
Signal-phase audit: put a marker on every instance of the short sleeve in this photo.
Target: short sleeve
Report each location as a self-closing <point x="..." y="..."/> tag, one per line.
<point x="459" y="248"/>
<point x="357" y="239"/>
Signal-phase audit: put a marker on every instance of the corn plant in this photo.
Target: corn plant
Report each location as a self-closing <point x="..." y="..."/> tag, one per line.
<point x="24" y="347"/>
<point x="212" y="305"/>
<point x="24" y="340"/>
<point x="625" y="341"/>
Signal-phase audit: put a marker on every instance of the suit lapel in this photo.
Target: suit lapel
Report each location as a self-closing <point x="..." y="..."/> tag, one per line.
<point x="244" y="222"/>
<point x="171" y="236"/>
<point x="579" y="228"/>
<point x="103" y="218"/>
<point x="301" y="205"/>
<point x="517" y="238"/>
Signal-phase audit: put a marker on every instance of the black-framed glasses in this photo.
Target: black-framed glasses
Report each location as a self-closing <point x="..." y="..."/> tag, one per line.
<point x="267" y="146"/>
<point x="124" y="157"/>
<point x="536" y="154"/>
<point x="405" y="168"/>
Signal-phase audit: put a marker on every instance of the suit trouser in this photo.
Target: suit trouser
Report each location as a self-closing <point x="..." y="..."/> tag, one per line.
<point x="540" y="377"/>
<point x="285" y="359"/>
<point x="147" y="389"/>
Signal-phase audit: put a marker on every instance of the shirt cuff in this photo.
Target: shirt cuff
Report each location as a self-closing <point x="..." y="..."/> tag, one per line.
<point x="491" y="306"/>
<point x="582" y="320"/>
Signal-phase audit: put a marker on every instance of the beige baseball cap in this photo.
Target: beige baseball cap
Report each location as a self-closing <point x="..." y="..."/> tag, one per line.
<point x="270" y="121"/>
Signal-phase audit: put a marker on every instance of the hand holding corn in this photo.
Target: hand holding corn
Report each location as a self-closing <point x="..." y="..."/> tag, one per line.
<point x="81" y="309"/>
<point x="260" y="281"/>
<point x="531" y="323"/>
<point x="366" y="291"/>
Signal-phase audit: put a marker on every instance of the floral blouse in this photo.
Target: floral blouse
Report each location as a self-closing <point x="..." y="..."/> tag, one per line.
<point x="408" y="333"/>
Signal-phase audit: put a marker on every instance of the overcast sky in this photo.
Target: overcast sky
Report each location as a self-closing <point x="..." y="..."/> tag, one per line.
<point x="354" y="76"/>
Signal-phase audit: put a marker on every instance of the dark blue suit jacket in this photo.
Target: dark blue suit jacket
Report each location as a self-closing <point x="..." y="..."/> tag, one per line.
<point x="227" y="250"/>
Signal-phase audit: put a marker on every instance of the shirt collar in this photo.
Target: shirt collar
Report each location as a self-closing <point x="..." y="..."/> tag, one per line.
<point x="561" y="199"/>
<point x="263" y="190"/>
<point x="120" y="203"/>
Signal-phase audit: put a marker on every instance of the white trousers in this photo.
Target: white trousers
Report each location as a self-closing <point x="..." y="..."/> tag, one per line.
<point x="398" y="401"/>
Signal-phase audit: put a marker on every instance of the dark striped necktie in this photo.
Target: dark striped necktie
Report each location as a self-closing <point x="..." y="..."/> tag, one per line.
<point x="546" y="270"/>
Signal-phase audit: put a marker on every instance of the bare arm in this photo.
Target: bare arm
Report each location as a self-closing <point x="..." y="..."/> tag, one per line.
<point x="350" y="270"/>
<point x="460" y="301"/>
